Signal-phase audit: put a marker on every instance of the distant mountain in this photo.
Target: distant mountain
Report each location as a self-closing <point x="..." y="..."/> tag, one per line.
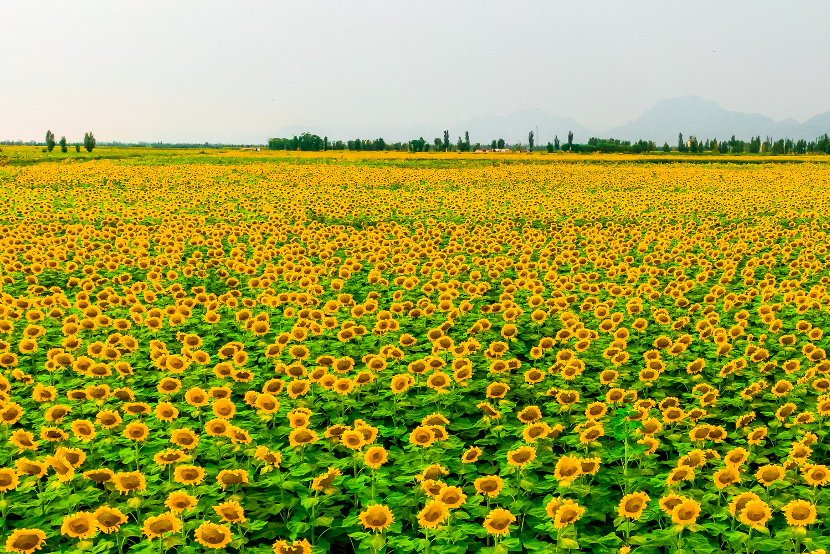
<point x="514" y="128"/>
<point x="705" y="119"/>
<point x="689" y="115"/>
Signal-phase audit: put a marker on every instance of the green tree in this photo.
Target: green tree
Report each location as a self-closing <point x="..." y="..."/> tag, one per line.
<point x="325" y="143"/>
<point x="89" y="141"/>
<point x="556" y="142"/>
<point x="63" y="144"/>
<point x="494" y="144"/>
<point x="530" y="141"/>
<point x="446" y="141"/>
<point x="570" y="139"/>
<point x="50" y="140"/>
<point x="666" y="147"/>
<point x="77" y="148"/>
<point x="439" y="144"/>
<point x="500" y="144"/>
<point x="466" y="141"/>
<point x="681" y="147"/>
<point x="549" y="148"/>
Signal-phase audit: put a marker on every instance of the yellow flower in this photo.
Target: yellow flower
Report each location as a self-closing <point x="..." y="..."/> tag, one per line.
<point x="755" y="513"/>
<point x="799" y="513"/>
<point x="376" y="517"/>
<point x="632" y="505"/>
<point x="498" y="520"/>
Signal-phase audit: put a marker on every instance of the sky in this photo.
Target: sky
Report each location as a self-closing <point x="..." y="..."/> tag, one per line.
<point x="197" y="71"/>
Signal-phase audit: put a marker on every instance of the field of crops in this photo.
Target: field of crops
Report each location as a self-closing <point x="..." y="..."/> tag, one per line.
<point x="393" y="353"/>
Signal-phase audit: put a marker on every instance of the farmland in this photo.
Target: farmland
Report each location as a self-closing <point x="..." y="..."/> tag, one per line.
<point x="259" y="352"/>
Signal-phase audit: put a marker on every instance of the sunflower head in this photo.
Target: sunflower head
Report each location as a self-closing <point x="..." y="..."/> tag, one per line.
<point x="230" y="512"/>
<point x="25" y="541"/>
<point x="109" y="519"/>
<point x="490" y="485"/>
<point x="79" y="525"/>
<point x="567" y="513"/>
<point x="376" y="517"/>
<point x="498" y="521"/>
<point x="433" y="514"/>
<point x="686" y="512"/>
<point x="799" y="513"/>
<point x="158" y="526"/>
<point x="632" y="505"/>
<point x="755" y="513"/>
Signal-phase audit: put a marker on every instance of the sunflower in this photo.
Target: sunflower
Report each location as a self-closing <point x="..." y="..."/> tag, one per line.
<point x="567" y="469"/>
<point x="136" y="431"/>
<point x="422" y="436"/>
<point x="126" y="482"/>
<point x="567" y="513"/>
<point x="8" y="479"/>
<point x="680" y="474"/>
<point x="264" y="454"/>
<point x="196" y="397"/>
<point x="815" y="475"/>
<point x="298" y="388"/>
<point x="521" y="456"/>
<point x="169" y="456"/>
<point x="375" y="457"/>
<point x="158" y="526"/>
<point x="296" y="547"/>
<point x="109" y="519"/>
<point x="165" y="411"/>
<point x="736" y="457"/>
<point x="489" y="411"/>
<point x="30" y="468"/>
<point x="224" y="408"/>
<point x="228" y="477"/>
<point x="189" y="475"/>
<point x="471" y="455"/>
<point x="755" y="513"/>
<point x="302" y="436"/>
<point x="25" y="541"/>
<point x="632" y="505"/>
<point x="668" y="502"/>
<point x="79" y="525"/>
<point x="75" y="456"/>
<point x="178" y="501"/>
<point x="230" y="512"/>
<point x="535" y="431"/>
<point x="489" y="485"/>
<point x="322" y="482"/>
<point x="108" y="419"/>
<point x="401" y="382"/>
<point x="799" y="513"/>
<point x="497" y="390"/>
<point x="739" y="502"/>
<point x="727" y="476"/>
<point x="11" y="413"/>
<point x="23" y="440"/>
<point x="453" y="497"/>
<point x="529" y="415"/>
<point x="591" y="434"/>
<point x="185" y="438"/>
<point x="211" y="535"/>
<point x="433" y="514"/>
<point x="768" y="474"/>
<point x="497" y="522"/>
<point x="64" y="470"/>
<point x="376" y="517"/>
<point x="686" y="512"/>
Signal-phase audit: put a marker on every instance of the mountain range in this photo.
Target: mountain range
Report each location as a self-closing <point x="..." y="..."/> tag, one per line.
<point x="689" y="115"/>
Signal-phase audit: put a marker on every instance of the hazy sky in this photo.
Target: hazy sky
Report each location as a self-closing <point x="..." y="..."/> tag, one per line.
<point x="229" y="71"/>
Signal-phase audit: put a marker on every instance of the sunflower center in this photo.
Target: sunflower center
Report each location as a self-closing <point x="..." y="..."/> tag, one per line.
<point x="801" y="513"/>
<point x="26" y="542"/>
<point x="212" y="536"/>
<point x="79" y="526"/>
<point x="500" y="523"/>
<point x="160" y="527"/>
<point x="633" y="505"/>
<point x="108" y="519"/>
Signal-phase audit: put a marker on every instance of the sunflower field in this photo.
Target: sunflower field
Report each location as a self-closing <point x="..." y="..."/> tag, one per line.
<point x="255" y="353"/>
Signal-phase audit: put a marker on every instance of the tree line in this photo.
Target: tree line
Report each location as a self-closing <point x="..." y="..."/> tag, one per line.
<point x="89" y="142"/>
